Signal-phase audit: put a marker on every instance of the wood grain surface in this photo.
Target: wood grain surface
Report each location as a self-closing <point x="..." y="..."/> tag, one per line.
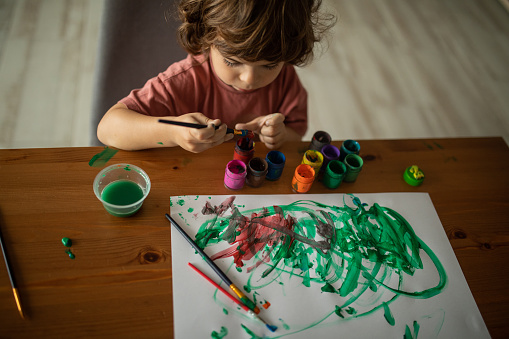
<point x="120" y="284"/>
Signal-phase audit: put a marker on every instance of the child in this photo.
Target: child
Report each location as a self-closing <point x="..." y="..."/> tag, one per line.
<point x="239" y="73"/>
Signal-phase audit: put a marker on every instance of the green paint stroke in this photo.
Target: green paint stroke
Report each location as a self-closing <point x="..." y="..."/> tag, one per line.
<point x="100" y="159"/>
<point x="355" y="253"/>
<point x="223" y="333"/>
<point x="251" y="333"/>
<point x="388" y="314"/>
<point x="408" y="333"/>
<point x="285" y="325"/>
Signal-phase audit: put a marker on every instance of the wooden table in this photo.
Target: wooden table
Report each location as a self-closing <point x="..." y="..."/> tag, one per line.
<point x="120" y="284"/>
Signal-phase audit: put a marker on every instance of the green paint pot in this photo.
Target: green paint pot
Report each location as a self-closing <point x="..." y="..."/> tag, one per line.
<point x="334" y="174"/>
<point x="354" y="165"/>
<point x="122" y="188"/>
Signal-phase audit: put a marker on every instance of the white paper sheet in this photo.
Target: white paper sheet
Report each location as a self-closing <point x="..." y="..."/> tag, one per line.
<point x="370" y="309"/>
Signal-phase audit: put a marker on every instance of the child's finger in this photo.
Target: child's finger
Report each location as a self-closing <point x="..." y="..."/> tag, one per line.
<point x="274" y="119"/>
<point x="253" y="125"/>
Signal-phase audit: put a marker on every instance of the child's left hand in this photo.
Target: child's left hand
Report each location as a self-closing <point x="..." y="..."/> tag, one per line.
<point x="270" y="128"/>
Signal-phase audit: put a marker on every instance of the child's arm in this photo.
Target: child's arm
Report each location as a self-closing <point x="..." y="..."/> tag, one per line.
<point x="129" y="130"/>
<point x="271" y="130"/>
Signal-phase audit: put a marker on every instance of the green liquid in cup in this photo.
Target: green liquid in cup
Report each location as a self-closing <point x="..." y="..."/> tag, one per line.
<point x="122" y="192"/>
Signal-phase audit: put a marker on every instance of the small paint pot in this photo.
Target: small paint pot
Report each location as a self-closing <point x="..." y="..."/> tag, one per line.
<point x="319" y="140"/>
<point x="256" y="171"/>
<point x="329" y="152"/>
<point x="334" y="174"/>
<point x="314" y="159"/>
<point x="244" y="150"/>
<point x="235" y="175"/>
<point x="349" y="147"/>
<point x="413" y="176"/>
<point x="354" y="165"/>
<point x="303" y="178"/>
<point x="276" y="162"/>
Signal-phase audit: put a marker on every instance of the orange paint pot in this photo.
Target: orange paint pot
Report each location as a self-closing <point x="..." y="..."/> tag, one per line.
<point x="303" y="178"/>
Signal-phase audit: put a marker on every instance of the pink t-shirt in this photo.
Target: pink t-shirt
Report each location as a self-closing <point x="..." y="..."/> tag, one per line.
<point x="191" y="86"/>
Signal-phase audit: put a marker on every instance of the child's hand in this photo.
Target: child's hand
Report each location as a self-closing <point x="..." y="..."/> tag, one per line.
<point x="199" y="140"/>
<point x="270" y="128"/>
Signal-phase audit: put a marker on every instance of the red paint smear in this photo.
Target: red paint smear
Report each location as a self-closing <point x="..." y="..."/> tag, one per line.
<point x="253" y="234"/>
<point x="266" y="305"/>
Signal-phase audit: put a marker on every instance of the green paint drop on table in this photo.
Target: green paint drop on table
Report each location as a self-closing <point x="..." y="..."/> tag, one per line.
<point x="122" y="192"/>
<point x="67" y="242"/>
<point x="71" y="255"/>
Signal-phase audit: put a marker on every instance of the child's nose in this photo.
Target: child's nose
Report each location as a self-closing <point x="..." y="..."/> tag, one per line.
<point x="248" y="75"/>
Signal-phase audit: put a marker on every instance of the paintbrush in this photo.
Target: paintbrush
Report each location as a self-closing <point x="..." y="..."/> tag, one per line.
<point x="241" y="132"/>
<point x="244" y="307"/>
<point x="216" y="269"/>
<point x="11" y="277"/>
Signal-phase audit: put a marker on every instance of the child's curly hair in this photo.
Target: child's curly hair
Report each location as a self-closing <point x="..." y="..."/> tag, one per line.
<point x="254" y="30"/>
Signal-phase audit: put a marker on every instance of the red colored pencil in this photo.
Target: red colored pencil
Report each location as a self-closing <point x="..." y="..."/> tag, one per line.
<point x="238" y="302"/>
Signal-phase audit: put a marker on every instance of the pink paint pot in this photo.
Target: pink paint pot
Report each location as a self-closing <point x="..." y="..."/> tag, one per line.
<point x="235" y="175"/>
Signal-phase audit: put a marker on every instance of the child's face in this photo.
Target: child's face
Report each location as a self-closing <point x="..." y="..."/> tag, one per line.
<point x="242" y="75"/>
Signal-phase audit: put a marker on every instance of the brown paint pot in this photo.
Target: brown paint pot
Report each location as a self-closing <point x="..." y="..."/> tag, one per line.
<point x="257" y="169"/>
<point x="303" y="178"/>
<point x="320" y="139"/>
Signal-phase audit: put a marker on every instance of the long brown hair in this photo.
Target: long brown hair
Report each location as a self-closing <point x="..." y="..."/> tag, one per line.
<point x="254" y="30"/>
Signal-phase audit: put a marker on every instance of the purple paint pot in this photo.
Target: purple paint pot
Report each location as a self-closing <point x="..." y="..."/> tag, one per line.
<point x="329" y="152"/>
<point x="319" y="140"/>
<point x="256" y="171"/>
<point x="244" y="150"/>
<point x="276" y="161"/>
<point x="235" y="175"/>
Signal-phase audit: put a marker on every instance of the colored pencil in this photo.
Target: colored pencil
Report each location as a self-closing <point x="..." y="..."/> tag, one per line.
<point x="241" y="132"/>
<point x="216" y="269"/>
<point x="11" y="277"/>
<point x="235" y="300"/>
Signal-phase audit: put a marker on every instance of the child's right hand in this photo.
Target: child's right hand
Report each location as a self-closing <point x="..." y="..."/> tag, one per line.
<point x="199" y="140"/>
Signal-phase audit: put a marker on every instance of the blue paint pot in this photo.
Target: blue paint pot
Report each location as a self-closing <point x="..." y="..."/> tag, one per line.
<point x="276" y="162"/>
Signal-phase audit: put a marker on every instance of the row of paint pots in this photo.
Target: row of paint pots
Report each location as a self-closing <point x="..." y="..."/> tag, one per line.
<point x="329" y="164"/>
<point x="253" y="171"/>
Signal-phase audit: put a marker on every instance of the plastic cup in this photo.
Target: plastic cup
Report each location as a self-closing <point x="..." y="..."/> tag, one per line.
<point x="122" y="188"/>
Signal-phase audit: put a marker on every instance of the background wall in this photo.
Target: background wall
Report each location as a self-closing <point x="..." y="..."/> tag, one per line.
<point x="393" y="69"/>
